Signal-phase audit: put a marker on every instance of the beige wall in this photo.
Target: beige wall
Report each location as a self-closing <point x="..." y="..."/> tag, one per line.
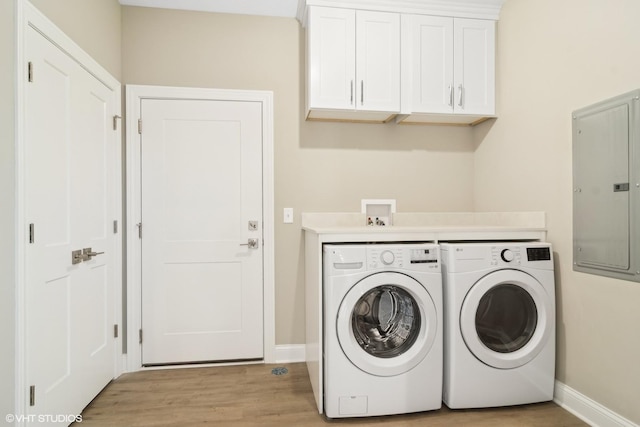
<point x="94" y="25"/>
<point x="7" y="207"/>
<point x="555" y="57"/>
<point x="319" y="167"/>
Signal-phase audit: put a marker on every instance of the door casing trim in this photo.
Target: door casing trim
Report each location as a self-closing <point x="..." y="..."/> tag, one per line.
<point x="134" y="95"/>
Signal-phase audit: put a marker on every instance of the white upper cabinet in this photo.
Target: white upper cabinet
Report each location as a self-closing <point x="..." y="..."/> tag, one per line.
<point x="331" y="58"/>
<point x="378" y="61"/>
<point x="474" y="63"/>
<point x="430" y="64"/>
<point x="448" y="69"/>
<point x="353" y="64"/>
<point x="415" y="61"/>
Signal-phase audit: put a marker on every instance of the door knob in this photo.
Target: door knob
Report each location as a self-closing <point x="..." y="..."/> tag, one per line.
<point x="87" y="254"/>
<point x="251" y="243"/>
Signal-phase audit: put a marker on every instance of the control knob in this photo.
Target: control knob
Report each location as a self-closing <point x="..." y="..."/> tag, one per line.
<point x="387" y="257"/>
<point x="507" y="255"/>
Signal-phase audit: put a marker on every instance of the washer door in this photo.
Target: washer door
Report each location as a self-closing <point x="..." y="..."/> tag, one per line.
<point x="506" y="319"/>
<point x="386" y="324"/>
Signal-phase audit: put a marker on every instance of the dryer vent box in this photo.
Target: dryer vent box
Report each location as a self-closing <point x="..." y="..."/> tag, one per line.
<point x="606" y="188"/>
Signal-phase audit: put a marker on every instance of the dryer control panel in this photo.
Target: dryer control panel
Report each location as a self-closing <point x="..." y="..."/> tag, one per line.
<point x="461" y="257"/>
<point x="519" y="254"/>
<point x="508" y="255"/>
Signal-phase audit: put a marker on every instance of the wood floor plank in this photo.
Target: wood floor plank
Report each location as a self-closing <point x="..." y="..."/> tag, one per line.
<point x="251" y="396"/>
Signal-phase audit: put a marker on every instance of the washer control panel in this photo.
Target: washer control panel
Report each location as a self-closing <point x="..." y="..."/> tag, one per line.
<point x="539" y="253"/>
<point x="421" y="256"/>
<point x="387" y="257"/>
<point x="507" y="255"/>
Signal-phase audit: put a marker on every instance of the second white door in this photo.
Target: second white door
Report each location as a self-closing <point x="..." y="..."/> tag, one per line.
<point x="71" y="192"/>
<point x="202" y="262"/>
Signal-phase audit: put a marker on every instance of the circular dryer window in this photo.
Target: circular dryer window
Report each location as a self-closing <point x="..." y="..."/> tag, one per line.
<point x="386" y="323"/>
<point x="506" y="319"/>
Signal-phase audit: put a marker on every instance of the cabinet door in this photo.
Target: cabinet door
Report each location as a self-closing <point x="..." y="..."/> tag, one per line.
<point x="474" y="66"/>
<point x="378" y="61"/>
<point x="432" y="68"/>
<point x="331" y="58"/>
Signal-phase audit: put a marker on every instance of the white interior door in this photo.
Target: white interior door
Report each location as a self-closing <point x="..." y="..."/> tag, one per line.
<point x="71" y="185"/>
<point x="201" y="197"/>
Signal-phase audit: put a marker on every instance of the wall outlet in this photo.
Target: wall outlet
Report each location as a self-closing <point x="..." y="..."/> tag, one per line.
<point x="288" y="215"/>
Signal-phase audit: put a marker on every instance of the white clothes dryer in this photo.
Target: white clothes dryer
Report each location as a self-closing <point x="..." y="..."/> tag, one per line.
<point x="382" y="329"/>
<point x="499" y="326"/>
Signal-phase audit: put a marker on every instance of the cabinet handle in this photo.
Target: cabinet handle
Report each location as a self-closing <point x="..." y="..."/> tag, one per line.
<point x="460" y="98"/>
<point x="450" y="96"/>
<point x="361" y="92"/>
<point x="351" y="99"/>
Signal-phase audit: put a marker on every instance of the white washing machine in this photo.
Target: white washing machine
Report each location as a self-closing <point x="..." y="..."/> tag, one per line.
<point x="382" y="329"/>
<point x="499" y="326"/>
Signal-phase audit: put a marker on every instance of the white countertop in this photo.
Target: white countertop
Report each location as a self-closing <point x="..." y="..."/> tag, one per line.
<point x="429" y="226"/>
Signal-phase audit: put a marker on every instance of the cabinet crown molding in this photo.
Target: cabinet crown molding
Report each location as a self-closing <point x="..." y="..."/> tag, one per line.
<point x="479" y="9"/>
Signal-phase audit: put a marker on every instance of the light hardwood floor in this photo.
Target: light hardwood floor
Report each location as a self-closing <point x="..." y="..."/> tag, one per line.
<point x="251" y="395"/>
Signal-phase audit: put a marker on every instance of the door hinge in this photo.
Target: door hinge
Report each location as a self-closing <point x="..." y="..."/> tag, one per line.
<point x="115" y="330"/>
<point x="139" y="225"/>
<point x="140" y="126"/>
<point x="140" y="336"/>
<point x="115" y="226"/>
<point x="32" y="233"/>
<point x="30" y="72"/>
<point x="115" y="122"/>
<point x="32" y="395"/>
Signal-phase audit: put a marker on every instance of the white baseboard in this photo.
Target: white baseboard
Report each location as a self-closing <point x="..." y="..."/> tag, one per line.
<point x="587" y="409"/>
<point x="290" y="353"/>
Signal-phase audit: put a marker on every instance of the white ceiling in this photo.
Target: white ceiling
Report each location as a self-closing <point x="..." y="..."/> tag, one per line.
<point x="285" y="8"/>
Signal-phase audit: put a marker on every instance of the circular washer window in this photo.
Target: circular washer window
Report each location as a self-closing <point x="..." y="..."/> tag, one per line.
<point x="386" y="324"/>
<point x="386" y="321"/>
<point x="506" y="319"/>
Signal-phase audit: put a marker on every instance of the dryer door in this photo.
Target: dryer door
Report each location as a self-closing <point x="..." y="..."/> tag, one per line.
<point x="387" y="323"/>
<point x="506" y="318"/>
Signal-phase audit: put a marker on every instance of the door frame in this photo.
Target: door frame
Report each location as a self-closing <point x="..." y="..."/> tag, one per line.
<point x="28" y="16"/>
<point x="134" y="95"/>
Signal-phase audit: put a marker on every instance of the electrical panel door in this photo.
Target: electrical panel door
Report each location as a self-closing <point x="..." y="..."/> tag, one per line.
<point x="605" y="187"/>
